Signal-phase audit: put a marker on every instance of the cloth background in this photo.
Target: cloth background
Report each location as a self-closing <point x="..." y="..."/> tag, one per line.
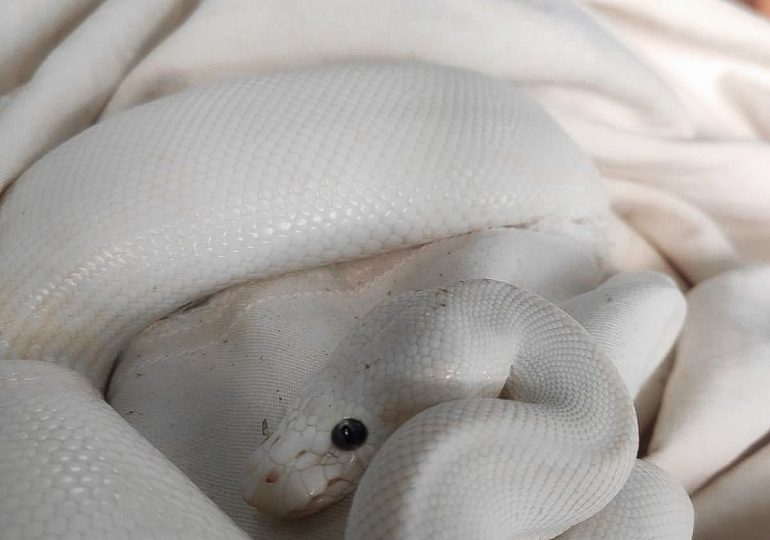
<point x="668" y="98"/>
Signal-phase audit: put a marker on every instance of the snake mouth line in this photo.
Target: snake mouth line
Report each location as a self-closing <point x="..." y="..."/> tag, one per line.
<point x="336" y="488"/>
<point x="337" y="481"/>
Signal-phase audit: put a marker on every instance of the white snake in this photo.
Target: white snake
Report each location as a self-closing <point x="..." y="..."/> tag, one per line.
<point x="174" y="200"/>
<point x="473" y="466"/>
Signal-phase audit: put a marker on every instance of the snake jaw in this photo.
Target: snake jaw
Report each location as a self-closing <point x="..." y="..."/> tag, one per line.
<point x="285" y="482"/>
<point x="285" y="492"/>
<point x="272" y="487"/>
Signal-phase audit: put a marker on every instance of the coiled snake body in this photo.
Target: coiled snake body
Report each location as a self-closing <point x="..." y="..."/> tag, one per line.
<point x="171" y="201"/>
<point x="565" y="442"/>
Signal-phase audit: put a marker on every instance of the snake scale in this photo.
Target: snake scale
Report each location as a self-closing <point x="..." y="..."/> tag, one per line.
<point x="174" y="200"/>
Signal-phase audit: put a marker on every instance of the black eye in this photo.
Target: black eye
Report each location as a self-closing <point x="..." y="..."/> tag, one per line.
<point x="349" y="434"/>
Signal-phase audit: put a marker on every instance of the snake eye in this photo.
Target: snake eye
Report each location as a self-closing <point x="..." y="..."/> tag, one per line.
<point x="349" y="434"/>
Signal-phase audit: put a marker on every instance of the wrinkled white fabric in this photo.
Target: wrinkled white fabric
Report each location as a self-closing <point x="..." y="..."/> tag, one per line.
<point x="735" y="505"/>
<point x="712" y="406"/>
<point x="68" y="88"/>
<point x="668" y="98"/>
<point x="713" y="55"/>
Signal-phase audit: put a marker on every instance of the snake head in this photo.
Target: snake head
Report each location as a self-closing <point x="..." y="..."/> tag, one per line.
<point x="315" y="457"/>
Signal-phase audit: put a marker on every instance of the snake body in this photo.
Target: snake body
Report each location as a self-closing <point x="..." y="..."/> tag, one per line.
<point x="480" y="467"/>
<point x="164" y="204"/>
<point x="176" y="199"/>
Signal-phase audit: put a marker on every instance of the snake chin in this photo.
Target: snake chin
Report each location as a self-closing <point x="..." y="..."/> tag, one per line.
<point x="335" y="490"/>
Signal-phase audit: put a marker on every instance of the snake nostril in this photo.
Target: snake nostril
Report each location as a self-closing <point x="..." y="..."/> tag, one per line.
<point x="271" y="477"/>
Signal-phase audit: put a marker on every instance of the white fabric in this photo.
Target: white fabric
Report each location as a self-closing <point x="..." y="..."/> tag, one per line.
<point x="735" y="505"/>
<point x="669" y="98"/>
<point x="713" y="406"/>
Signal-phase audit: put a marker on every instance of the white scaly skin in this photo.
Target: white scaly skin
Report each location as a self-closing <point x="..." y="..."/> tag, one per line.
<point x="73" y="468"/>
<point x="651" y="505"/>
<point x="565" y="443"/>
<point x="242" y="180"/>
<point x="250" y="178"/>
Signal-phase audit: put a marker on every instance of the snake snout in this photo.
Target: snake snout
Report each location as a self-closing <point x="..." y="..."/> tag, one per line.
<point x="303" y="485"/>
<point x="265" y="486"/>
<point x="281" y="481"/>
